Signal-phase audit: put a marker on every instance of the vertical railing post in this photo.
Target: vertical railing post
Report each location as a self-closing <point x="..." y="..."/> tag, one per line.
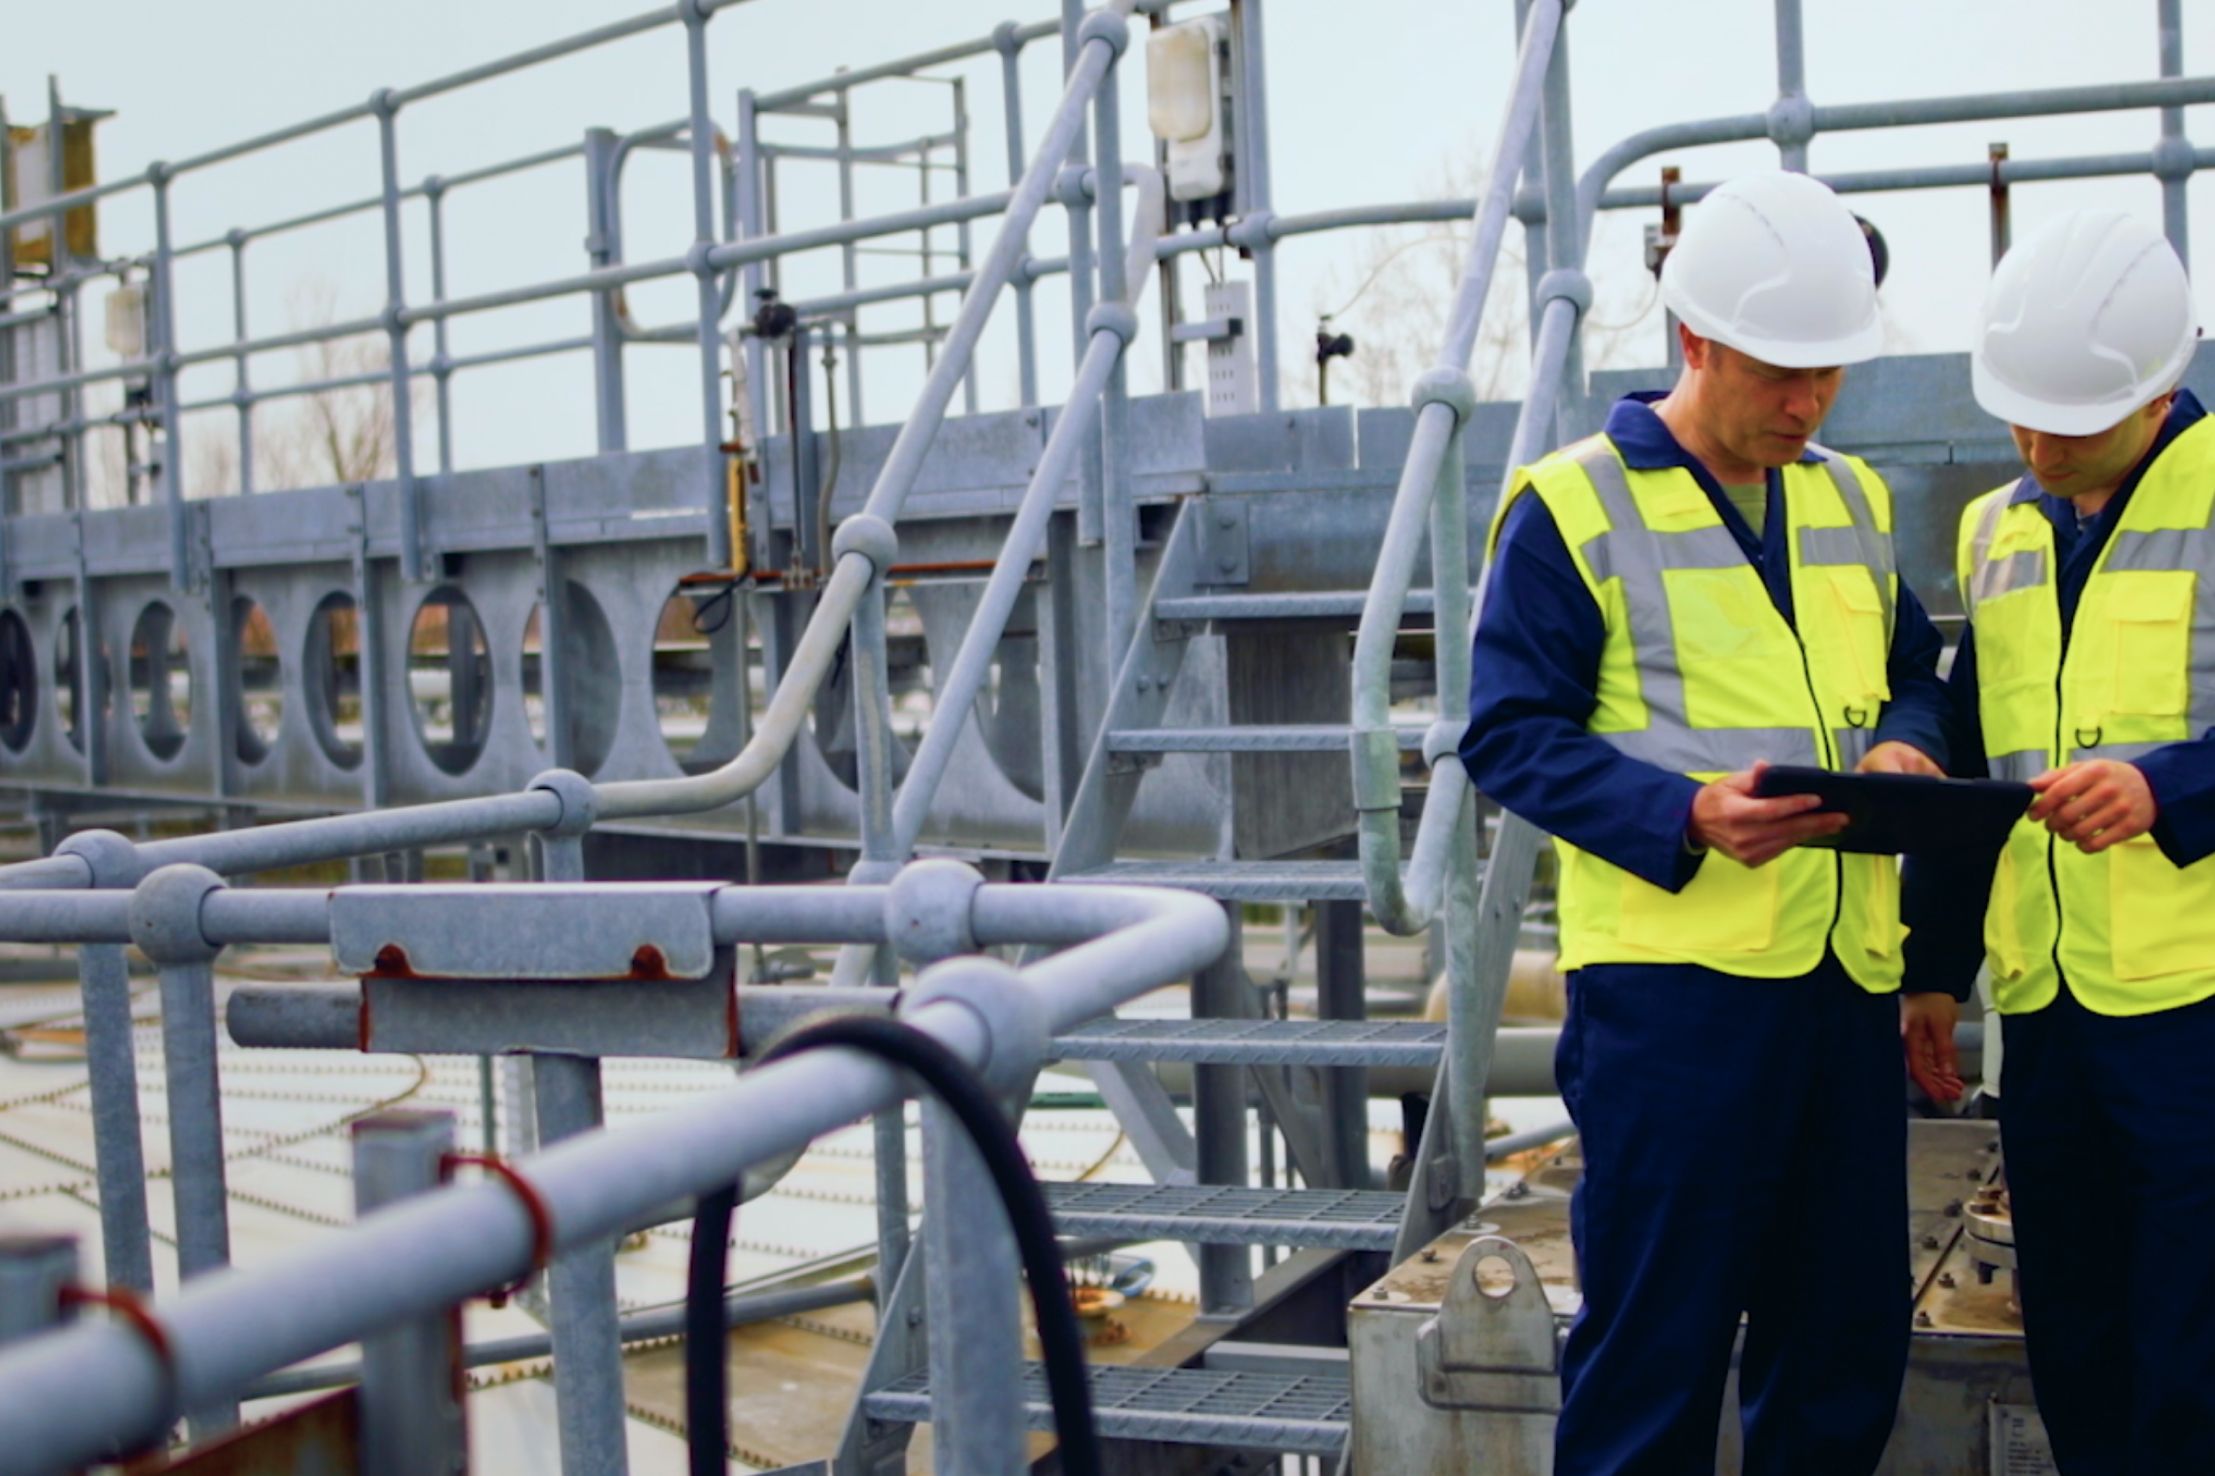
<point x="385" y="103"/>
<point x="1471" y="1022"/>
<point x="1080" y="274"/>
<point x="701" y="126"/>
<point x="112" y="1065"/>
<point x="970" y="1296"/>
<point x="588" y="1372"/>
<point x="1258" y="205"/>
<point x="1219" y="1122"/>
<point x="1564" y="240"/>
<point x="752" y="275"/>
<point x="873" y="740"/>
<point x="69" y="348"/>
<point x="1026" y="328"/>
<point x="411" y="1416"/>
<point x="35" y="1271"/>
<point x="604" y="247"/>
<point x="9" y="412"/>
<point x="165" y="924"/>
<point x="442" y="364"/>
<point x="242" y="394"/>
<point x="2174" y="159"/>
<point x="964" y="258"/>
<point x="164" y="335"/>
<point x="1789" y="118"/>
<point x="1119" y="516"/>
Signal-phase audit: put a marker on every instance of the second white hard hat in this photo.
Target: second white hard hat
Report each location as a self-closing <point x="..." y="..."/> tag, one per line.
<point x="2086" y="319"/>
<point x="1774" y="265"/>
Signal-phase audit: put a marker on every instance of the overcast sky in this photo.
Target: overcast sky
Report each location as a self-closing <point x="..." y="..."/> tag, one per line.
<point x="1374" y="102"/>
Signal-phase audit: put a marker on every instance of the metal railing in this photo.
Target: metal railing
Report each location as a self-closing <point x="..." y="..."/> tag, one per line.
<point x="225" y="1329"/>
<point x="1441" y="883"/>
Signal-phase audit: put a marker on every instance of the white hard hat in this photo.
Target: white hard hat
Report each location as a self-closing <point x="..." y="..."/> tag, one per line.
<point x="2087" y="319"/>
<point x="1775" y="265"/>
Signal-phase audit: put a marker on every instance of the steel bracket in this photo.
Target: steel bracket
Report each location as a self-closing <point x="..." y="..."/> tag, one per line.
<point x="1224" y="556"/>
<point x="1491" y="1350"/>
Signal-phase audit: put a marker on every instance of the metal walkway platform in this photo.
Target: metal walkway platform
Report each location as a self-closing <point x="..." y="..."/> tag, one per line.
<point x="1307" y="1414"/>
<point x="1257" y="1042"/>
<point x="1241" y="881"/>
<point x="1340" y="1219"/>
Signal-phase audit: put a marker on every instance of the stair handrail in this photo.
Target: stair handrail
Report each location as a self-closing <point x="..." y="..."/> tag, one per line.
<point x="1111" y="326"/>
<point x="1432" y="496"/>
<point x="865" y="547"/>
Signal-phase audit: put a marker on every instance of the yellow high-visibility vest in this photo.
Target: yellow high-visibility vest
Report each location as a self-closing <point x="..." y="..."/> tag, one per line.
<point x="2129" y="928"/>
<point x="1701" y="675"/>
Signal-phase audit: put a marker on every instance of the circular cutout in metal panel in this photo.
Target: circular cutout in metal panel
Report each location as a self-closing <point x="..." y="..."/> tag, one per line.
<point x="18" y="682"/>
<point x="160" y="676"/>
<point x="706" y="661"/>
<point x="450" y="679"/>
<point x="591" y="678"/>
<point x="261" y="693"/>
<point x="330" y="672"/>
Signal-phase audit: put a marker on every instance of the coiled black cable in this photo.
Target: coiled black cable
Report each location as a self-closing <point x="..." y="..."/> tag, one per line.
<point x="1061" y="1341"/>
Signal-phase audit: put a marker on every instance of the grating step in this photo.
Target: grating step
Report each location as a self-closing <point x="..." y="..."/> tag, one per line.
<point x="1220" y="1214"/>
<point x="1283" y="738"/>
<point x="1256" y="1042"/>
<point x="1241" y="881"/>
<point x="1305" y="1413"/>
<point x="1317" y="604"/>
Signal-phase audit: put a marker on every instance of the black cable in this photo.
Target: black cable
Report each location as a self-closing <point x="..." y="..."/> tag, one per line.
<point x="1061" y="1341"/>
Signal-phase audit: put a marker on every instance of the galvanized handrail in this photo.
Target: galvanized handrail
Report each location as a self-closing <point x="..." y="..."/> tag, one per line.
<point x="867" y="548"/>
<point x="890" y="839"/>
<point x="1432" y="498"/>
<point x="225" y="1329"/>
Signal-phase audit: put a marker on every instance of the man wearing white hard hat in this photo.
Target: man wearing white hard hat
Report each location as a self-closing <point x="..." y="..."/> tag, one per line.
<point x="1670" y="605"/>
<point x="2089" y="670"/>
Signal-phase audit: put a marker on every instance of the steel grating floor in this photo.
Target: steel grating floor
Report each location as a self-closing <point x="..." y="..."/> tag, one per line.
<point x="1305" y="1413"/>
<point x="1241" y="881"/>
<point x="1342" y="1219"/>
<point x="1257" y="1042"/>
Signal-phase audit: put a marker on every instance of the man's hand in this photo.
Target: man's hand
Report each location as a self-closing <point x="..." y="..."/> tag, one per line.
<point x="1753" y="832"/>
<point x="1899" y="758"/>
<point x="1927" y="1036"/>
<point x="2095" y="803"/>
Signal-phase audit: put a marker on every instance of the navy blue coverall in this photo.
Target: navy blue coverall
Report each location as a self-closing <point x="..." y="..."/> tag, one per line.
<point x="1744" y="1139"/>
<point x="2108" y="1123"/>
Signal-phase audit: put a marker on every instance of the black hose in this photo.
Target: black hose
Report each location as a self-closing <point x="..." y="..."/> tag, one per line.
<point x="1061" y="1341"/>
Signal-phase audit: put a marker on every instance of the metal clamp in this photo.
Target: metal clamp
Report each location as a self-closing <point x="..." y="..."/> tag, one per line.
<point x="1490" y="1350"/>
<point x="129" y="1308"/>
<point x="534" y="1204"/>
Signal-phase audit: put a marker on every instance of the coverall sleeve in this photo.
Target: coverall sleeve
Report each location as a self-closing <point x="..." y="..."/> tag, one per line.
<point x="1535" y="682"/>
<point x="1919" y="712"/>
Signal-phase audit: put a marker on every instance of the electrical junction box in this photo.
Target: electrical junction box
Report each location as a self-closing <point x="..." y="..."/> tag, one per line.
<point x="1188" y="104"/>
<point x="126" y="322"/>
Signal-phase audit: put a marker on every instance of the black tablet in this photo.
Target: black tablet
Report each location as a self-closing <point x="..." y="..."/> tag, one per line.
<point x="1893" y="814"/>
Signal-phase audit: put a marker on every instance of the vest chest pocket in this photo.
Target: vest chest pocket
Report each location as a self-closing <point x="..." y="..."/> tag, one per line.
<point x="2150" y="616"/>
<point x="1847" y="632"/>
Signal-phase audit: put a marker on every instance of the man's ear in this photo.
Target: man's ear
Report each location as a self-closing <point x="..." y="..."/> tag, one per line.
<point x="1694" y="347"/>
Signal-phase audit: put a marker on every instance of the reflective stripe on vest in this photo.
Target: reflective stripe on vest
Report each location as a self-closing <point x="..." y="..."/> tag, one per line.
<point x="2126" y="927"/>
<point x="1692" y="633"/>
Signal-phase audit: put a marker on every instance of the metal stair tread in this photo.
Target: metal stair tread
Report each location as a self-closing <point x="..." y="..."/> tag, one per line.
<point x="1224" y="1214"/>
<point x="1254" y="738"/>
<point x="1306" y="1413"/>
<point x="1315" y="604"/>
<point x="1240" y="881"/>
<point x="1256" y="1042"/>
